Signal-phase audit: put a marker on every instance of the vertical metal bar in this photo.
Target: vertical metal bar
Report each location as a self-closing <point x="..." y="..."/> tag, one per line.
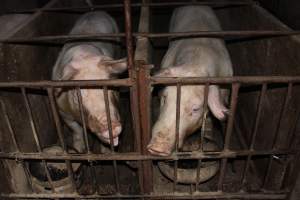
<point x="233" y="103"/>
<point x="145" y="119"/>
<point x="253" y="138"/>
<point x="282" y="111"/>
<point x="58" y="127"/>
<point x="128" y="35"/>
<point x="177" y="121"/>
<point x="198" y="175"/>
<point x="134" y="102"/>
<point x="17" y="147"/>
<point x="108" y="117"/>
<point x="82" y="118"/>
<point x="205" y="112"/>
<point x="178" y="99"/>
<point x="36" y="138"/>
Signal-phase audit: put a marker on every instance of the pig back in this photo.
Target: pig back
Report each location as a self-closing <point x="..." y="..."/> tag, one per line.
<point x="97" y="22"/>
<point x="89" y="23"/>
<point x="209" y="53"/>
<point x="194" y="18"/>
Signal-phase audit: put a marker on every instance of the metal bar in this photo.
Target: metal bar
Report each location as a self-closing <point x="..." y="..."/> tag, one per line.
<point x="198" y="175"/>
<point x="198" y="195"/>
<point x="136" y="156"/>
<point x="177" y="121"/>
<point x="154" y="4"/>
<point x="155" y="81"/>
<point x="224" y="80"/>
<point x="108" y="117"/>
<point x="205" y="112"/>
<point x="83" y="120"/>
<point x="36" y="138"/>
<point x="282" y="111"/>
<point x="58" y="127"/>
<point x="233" y="103"/>
<point x="77" y="83"/>
<point x="145" y="119"/>
<point x="128" y="35"/>
<point x="9" y="126"/>
<point x="16" y="145"/>
<point x="257" y="119"/>
<point x="178" y="99"/>
<point x="110" y="36"/>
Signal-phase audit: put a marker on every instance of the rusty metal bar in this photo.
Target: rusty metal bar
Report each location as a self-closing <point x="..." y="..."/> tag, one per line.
<point x="60" y="134"/>
<point x="153" y="4"/>
<point x="110" y="36"/>
<point x="136" y="156"/>
<point x="155" y="81"/>
<point x="177" y="121"/>
<point x="77" y="83"/>
<point x="198" y="175"/>
<point x="36" y="138"/>
<point x="225" y="80"/>
<point x="205" y="112"/>
<point x="16" y="145"/>
<point x="128" y="35"/>
<point x="108" y="117"/>
<point x="233" y="103"/>
<point x="253" y="137"/>
<point x="178" y="99"/>
<point x="198" y="195"/>
<point x="282" y="111"/>
<point x="83" y="120"/>
<point x="145" y="119"/>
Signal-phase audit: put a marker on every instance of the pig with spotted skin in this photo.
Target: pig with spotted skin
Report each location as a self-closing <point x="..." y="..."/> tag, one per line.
<point x="89" y="61"/>
<point x="190" y="57"/>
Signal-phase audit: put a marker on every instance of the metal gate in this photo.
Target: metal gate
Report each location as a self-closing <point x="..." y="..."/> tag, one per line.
<point x="139" y="83"/>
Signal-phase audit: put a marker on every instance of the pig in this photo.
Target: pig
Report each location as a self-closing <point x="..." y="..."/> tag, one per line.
<point x="90" y="61"/>
<point x="190" y="57"/>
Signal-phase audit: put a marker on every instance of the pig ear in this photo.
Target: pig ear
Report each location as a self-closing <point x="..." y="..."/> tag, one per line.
<point x="115" y="66"/>
<point x="216" y="104"/>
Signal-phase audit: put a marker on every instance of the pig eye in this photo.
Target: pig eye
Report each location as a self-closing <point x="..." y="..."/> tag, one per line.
<point x="196" y="108"/>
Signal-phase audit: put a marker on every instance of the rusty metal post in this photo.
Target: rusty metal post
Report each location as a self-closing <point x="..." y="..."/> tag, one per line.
<point x="145" y="118"/>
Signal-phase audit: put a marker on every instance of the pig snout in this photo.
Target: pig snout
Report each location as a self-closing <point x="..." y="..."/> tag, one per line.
<point x="116" y="128"/>
<point x="101" y="128"/>
<point x="161" y="144"/>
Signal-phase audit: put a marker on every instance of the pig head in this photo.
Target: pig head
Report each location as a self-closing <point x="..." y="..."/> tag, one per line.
<point x="191" y="110"/>
<point x="88" y="65"/>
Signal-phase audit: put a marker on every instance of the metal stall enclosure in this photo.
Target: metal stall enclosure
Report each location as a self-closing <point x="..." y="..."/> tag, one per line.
<point x="260" y="136"/>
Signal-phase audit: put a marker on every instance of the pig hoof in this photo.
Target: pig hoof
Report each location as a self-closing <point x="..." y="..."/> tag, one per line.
<point x="158" y="150"/>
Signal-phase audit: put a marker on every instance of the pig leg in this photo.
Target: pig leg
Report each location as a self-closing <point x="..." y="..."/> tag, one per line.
<point x="78" y="139"/>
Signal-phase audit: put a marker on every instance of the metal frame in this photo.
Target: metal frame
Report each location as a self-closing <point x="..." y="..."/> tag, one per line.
<point x="140" y="83"/>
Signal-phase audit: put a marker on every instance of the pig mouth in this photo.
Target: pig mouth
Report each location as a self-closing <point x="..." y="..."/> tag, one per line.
<point x="107" y="140"/>
<point x="158" y="149"/>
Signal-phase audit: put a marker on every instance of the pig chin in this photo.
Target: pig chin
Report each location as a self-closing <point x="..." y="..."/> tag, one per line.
<point x="107" y="140"/>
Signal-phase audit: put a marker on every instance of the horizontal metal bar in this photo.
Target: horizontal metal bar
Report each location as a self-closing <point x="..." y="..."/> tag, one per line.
<point x="74" y="83"/>
<point x="136" y="156"/>
<point x="158" y="4"/>
<point x="112" y="36"/>
<point x="225" y="80"/>
<point x="154" y="81"/>
<point x="196" y="195"/>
